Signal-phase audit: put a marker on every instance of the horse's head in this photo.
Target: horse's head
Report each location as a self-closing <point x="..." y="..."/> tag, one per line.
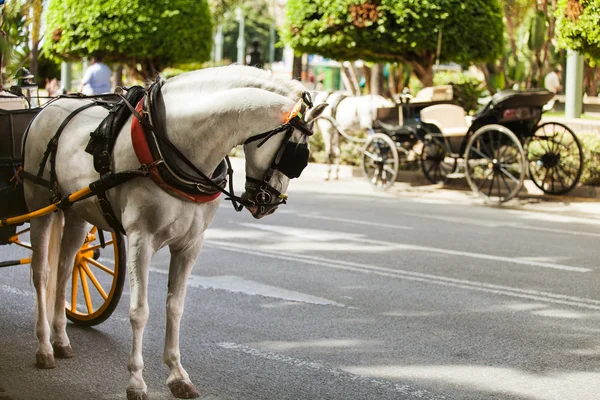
<point x="276" y="156"/>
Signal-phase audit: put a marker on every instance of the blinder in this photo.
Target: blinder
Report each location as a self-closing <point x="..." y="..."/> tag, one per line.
<point x="291" y="159"/>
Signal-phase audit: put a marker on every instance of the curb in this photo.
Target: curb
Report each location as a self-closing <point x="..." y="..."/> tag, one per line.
<point x="416" y="178"/>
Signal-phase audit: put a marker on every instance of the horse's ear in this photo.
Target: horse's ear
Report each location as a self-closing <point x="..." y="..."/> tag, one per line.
<point x="316" y="112"/>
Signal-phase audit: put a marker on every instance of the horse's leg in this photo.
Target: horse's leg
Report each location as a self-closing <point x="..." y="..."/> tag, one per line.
<point x="335" y="150"/>
<point x="40" y="238"/>
<point x="325" y="129"/>
<point x="73" y="236"/>
<point x="182" y="262"/>
<point x="140" y="253"/>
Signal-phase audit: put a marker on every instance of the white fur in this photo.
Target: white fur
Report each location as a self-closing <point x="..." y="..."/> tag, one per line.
<point x="353" y="115"/>
<point x="207" y="113"/>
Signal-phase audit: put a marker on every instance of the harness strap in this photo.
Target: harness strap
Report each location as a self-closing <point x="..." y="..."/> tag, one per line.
<point x="51" y="153"/>
<point x="146" y="124"/>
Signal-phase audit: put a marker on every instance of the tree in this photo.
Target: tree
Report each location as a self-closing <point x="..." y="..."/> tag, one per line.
<point x="579" y="26"/>
<point x="145" y="35"/>
<point x="397" y="31"/>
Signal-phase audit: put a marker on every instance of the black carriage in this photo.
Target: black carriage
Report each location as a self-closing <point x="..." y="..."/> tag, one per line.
<point x="502" y="145"/>
<point x="99" y="268"/>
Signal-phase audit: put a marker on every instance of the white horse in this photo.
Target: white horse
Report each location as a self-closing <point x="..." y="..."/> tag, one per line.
<point x="351" y="115"/>
<point x="205" y="114"/>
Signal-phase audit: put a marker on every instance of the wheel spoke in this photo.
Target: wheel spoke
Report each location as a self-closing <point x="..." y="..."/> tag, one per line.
<point x="371" y="156"/>
<point x="480" y="153"/>
<point x="88" y="272"/>
<point x="511" y="176"/>
<point x="75" y="285"/>
<point x="98" y="246"/>
<point x="97" y="264"/>
<point x="506" y="183"/>
<point x="86" y="292"/>
<point x="491" y="184"/>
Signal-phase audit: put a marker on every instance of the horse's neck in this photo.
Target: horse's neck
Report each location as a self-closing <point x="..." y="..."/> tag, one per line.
<point x="206" y="126"/>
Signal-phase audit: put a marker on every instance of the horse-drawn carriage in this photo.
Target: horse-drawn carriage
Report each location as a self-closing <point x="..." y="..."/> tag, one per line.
<point x="502" y="145"/>
<point x="99" y="268"/>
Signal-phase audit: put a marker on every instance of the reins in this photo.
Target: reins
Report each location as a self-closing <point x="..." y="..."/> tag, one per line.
<point x="238" y="203"/>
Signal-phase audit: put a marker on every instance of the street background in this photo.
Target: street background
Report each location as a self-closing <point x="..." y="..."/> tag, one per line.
<point x="346" y="293"/>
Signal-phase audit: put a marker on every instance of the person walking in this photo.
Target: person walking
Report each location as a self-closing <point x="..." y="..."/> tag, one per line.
<point x="552" y="81"/>
<point x="96" y="79"/>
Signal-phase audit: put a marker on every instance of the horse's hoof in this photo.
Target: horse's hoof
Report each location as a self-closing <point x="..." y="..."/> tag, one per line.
<point x="184" y="390"/>
<point x="137" y="394"/>
<point x="63" y="351"/>
<point x="45" y="361"/>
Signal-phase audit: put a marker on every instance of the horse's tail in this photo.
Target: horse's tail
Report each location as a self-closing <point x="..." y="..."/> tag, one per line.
<point x="56" y="230"/>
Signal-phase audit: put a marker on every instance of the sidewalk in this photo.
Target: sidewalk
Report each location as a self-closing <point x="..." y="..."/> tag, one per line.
<point x="351" y="182"/>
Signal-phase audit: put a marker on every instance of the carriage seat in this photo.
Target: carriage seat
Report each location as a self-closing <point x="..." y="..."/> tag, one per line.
<point x="434" y="93"/>
<point x="450" y="119"/>
<point x="10" y="101"/>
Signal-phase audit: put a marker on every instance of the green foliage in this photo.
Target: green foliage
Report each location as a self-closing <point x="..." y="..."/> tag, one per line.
<point x="591" y="153"/>
<point x="579" y="26"/>
<point x="537" y="31"/>
<point x="466" y="88"/>
<point x="16" y="47"/>
<point x="146" y="35"/>
<point x="396" y="30"/>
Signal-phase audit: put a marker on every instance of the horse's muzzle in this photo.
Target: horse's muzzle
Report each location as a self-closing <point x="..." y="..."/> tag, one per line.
<point x="259" y="212"/>
<point x="261" y="202"/>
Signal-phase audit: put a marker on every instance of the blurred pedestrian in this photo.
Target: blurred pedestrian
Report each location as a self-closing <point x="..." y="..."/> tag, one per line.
<point x="96" y="79"/>
<point x="552" y="81"/>
<point x="254" y="56"/>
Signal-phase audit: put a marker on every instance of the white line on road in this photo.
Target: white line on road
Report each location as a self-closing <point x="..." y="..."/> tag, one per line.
<point x="236" y="284"/>
<point x="496" y="224"/>
<point x="308" y="233"/>
<point x="354" y="221"/>
<point x="414" y="276"/>
<point x="405" y="390"/>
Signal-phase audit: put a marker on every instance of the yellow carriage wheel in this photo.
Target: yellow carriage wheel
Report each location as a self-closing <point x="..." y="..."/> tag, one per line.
<point x="97" y="280"/>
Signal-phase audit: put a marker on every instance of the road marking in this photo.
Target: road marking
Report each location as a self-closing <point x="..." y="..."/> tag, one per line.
<point x="354" y="221"/>
<point x="497" y="224"/>
<point x="236" y="284"/>
<point x="413" y="276"/>
<point x="315" y="366"/>
<point x="360" y="238"/>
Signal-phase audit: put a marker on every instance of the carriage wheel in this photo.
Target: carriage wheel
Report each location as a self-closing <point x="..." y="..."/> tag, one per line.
<point x="555" y="158"/>
<point x="380" y="161"/>
<point x="98" y="277"/>
<point x="436" y="163"/>
<point x="495" y="164"/>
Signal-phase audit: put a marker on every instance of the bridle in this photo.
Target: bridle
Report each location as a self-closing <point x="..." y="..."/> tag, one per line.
<point x="290" y="159"/>
<point x="259" y="194"/>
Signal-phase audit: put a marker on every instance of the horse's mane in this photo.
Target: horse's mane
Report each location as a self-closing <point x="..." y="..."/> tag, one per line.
<point x="233" y="77"/>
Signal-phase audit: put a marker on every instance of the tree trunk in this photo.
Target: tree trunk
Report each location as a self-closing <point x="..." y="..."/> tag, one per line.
<point x="297" y="68"/>
<point x="36" y="23"/>
<point x="392" y="82"/>
<point x="118" y="72"/>
<point x="366" y="71"/>
<point x="377" y="79"/>
<point x="486" y="73"/>
<point x="423" y="71"/>
<point x="353" y="78"/>
<point x="591" y="79"/>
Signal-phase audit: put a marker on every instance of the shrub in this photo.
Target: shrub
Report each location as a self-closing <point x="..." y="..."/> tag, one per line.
<point x="591" y="153"/>
<point x="467" y="89"/>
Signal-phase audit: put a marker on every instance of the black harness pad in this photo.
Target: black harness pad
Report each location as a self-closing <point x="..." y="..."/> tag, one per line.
<point x="102" y="140"/>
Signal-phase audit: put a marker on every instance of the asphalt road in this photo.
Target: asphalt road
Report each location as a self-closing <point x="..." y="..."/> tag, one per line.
<point x="347" y="296"/>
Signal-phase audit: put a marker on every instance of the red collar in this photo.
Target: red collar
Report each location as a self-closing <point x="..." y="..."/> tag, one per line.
<point x="142" y="151"/>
